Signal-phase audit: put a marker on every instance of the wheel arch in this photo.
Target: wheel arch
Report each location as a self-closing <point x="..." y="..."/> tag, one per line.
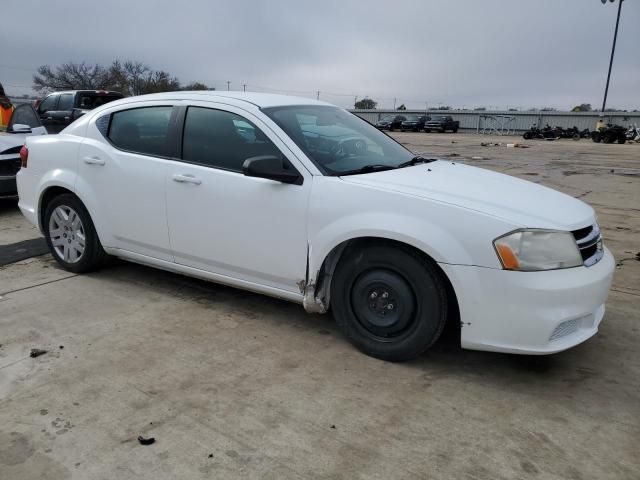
<point x="317" y="297"/>
<point x="49" y="193"/>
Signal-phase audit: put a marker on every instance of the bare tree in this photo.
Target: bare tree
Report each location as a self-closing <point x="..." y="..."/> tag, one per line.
<point x="159" y="81"/>
<point x="195" y="86"/>
<point x="70" y="76"/>
<point x="128" y="77"/>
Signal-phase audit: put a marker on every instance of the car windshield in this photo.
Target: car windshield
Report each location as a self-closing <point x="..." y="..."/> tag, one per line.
<point x="440" y="119"/>
<point x="338" y="142"/>
<point x="412" y="118"/>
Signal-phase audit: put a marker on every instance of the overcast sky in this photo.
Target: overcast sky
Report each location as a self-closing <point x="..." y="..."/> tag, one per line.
<point x="516" y="53"/>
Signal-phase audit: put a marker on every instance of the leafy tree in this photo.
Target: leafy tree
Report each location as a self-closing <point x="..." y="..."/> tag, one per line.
<point x="583" y="107"/>
<point x="444" y="107"/>
<point x="547" y="109"/>
<point x="365" y="104"/>
<point x="402" y="107"/>
<point x="480" y="109"/>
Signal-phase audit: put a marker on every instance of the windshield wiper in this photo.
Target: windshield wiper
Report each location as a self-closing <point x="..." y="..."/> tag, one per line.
<point x="368" y="169"/>
<point x="416" y="160"/>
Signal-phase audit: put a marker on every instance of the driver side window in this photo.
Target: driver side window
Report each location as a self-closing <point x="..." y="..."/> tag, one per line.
<point x="220" y="139"/>
<point x="48" y="104"/>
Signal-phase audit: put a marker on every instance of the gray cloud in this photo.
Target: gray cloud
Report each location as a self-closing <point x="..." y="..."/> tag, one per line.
<point x="461" y="53"/>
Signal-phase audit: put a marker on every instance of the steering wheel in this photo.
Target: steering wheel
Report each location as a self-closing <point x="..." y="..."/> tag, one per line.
<point x="349" y="146"/>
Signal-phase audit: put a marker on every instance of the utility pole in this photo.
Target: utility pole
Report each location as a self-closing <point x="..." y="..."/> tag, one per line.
<point x="318" y="95"/>
<point x="613" y="49"/>
<point x="394" y="103"/>
<point x="244" y="87"/>
<point x="355" y="100"/>
<point x="228" y="85"/>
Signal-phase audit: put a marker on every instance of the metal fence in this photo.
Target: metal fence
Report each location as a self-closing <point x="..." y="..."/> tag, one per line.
<point x="498" y="122"/>
<point x="506" y="122"/>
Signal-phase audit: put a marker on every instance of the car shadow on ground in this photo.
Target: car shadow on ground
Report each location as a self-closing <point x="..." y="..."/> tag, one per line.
<point x="445" y="357"/>
<point x="8" y="205"/>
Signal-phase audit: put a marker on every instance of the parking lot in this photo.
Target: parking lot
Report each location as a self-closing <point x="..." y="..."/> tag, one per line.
<point x="230" y="383"/>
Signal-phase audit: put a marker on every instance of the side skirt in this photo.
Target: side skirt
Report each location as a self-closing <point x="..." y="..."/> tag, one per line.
<point x="204" y="275"/>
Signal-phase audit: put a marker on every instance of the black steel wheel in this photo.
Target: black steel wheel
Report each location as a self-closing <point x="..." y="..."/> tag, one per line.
<point x="389" y="301"/>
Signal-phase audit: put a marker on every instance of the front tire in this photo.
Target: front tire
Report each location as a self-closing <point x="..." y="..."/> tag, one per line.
<point x="71" y="235"/>
<point x="390" y="302"/>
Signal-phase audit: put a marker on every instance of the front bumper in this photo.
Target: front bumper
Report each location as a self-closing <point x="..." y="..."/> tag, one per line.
<point x="530" y="312"/>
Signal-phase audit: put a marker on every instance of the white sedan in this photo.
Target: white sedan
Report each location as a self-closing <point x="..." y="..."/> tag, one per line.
<point x="304" y="201"/>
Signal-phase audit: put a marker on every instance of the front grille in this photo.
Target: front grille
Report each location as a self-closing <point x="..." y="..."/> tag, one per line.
<point x="589" y="243"/>
<point x="564" y="329"/>
<point x="9" y="168"/>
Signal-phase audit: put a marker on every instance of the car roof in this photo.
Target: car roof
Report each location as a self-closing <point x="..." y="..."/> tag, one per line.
<point x="84" y="91"/>
<point x="261" y="100"/>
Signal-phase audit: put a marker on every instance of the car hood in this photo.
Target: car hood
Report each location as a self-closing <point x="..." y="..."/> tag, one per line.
<point x="523" y="203"/>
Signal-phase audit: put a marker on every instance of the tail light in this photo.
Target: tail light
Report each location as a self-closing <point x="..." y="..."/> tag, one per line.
<point x="24" y="156"/>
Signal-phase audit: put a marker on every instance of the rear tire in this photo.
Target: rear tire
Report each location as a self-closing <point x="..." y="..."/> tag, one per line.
<point x="390" y="302"/>
<point x="71" y="235"/>
<point x="428" y="130"/>
<point x="527" y="135"/>
<point x="596" y="137"/>
<point x="622" y="139"/>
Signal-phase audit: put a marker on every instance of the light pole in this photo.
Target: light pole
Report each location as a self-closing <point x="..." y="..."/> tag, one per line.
<point x="613" y="49"/>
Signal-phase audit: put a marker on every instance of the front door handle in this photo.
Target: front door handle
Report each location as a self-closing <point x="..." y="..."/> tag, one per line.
<point x="93" y="161"/>
<point x="186" y="179"/>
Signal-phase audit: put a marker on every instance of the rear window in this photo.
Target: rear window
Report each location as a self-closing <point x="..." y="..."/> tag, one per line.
<point x="25" y="115"/>
<point x="89" y="101"/>
<point x="141" y="130"/>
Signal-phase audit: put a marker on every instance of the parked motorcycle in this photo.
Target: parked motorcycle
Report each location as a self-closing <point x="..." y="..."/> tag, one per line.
<point x="633" y="133"/>
<point x="547" y="132"/>
<point x="572" y="132"/>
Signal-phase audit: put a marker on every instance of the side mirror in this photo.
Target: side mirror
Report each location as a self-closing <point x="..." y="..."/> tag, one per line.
<point x="77" y="113"/>
<point x="20" y="128"/>
<point x="271" y="167"/>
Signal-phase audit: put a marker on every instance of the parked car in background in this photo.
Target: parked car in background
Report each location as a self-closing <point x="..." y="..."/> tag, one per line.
<point x="302" y="200"/>
<point x="414" y="123"/>
<point x="59" y="109"/>
<point x="442" y="123"/>
<point x="391" y="123"/>
<point x="24" y="121"/>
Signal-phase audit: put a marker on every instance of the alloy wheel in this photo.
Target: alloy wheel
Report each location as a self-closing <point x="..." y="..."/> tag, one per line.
<point x="67" y="234"/>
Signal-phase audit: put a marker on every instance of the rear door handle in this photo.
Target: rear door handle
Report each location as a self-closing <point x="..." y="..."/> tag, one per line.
<point x="93" y="161"/>
<point x="186" y="179"/>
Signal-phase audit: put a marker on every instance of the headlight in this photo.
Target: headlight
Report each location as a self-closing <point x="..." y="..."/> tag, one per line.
<point x="531" y="250"/>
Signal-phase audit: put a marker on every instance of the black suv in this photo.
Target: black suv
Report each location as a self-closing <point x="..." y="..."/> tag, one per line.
<point x="390" y="123"/>
<point x="414" y="123"/>
<point x="59" y="109"/>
